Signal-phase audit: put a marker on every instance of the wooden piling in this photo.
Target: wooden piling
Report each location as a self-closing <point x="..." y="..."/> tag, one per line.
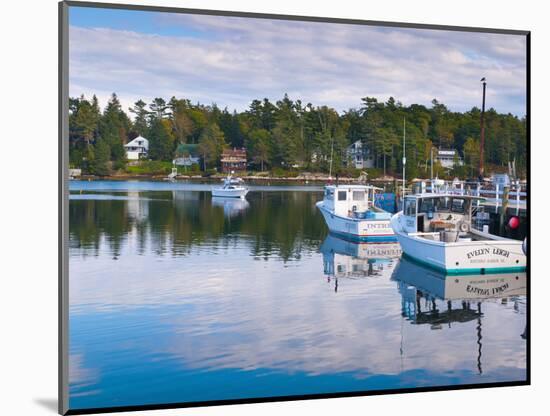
<point x="504" y="207"/>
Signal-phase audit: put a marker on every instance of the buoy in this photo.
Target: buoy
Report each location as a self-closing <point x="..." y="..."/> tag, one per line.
<point x="513" y="222"/>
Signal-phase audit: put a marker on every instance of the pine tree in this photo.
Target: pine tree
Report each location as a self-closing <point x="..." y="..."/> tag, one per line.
<point x="211" y="144"/>
<point x="99" y="165"/>
<point x="140" y="121"/>
<point x="161" y="140"/>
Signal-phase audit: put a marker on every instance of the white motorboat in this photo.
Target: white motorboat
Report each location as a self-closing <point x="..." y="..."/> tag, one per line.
<point x="232" y="188"/>
<point x="232" y="207"/>
<point x="349" y="212"/>
<point x="436" y="230"/>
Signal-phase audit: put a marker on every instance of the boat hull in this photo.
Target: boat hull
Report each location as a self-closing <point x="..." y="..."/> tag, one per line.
<point x="229" y="193"/>
<point x="365" y="230"/>
<point x="462" y="257"/>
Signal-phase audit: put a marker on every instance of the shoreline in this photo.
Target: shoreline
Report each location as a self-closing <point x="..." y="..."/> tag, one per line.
<point x="216" y="178"/>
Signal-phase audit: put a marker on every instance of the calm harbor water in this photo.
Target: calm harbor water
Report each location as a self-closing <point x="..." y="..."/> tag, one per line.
<point x="178" y="297"/>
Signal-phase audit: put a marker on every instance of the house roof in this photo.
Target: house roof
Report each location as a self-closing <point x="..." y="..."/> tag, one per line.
<point x="234" y="155"/>
<point x="187" y="148"/>
<point x="354" y="143"/>
<point x="138" y="142"/>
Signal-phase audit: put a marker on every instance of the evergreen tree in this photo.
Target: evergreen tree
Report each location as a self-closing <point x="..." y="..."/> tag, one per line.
<point x="113" y="129"/>
<point x="158" y="108"/>
<point x="99" y="164"/>
<point x="182" y="125"/>
<point x="211" y="144"/>
<point x="161" y="140"/>
<point x="258" y="147"/>
<point x="140" y="121"/>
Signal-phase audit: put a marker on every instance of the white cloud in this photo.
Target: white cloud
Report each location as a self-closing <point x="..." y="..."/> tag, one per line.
<point x="237" y="60"/>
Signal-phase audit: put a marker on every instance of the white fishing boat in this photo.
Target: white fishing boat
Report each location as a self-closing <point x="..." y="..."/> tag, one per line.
<point x="343" y="258"/>
<point x="349" y="212"/>
<point x="439" y="285"/>
<point x="232" y="188"/>
<point x="434" y="298"/>
<point x="436" y="230"/>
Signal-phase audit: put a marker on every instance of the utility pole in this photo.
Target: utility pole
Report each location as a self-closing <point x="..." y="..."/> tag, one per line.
<point x="482" y="137"/>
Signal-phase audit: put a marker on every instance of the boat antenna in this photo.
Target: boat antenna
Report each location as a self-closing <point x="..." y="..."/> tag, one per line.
<point x="404" y="163"/>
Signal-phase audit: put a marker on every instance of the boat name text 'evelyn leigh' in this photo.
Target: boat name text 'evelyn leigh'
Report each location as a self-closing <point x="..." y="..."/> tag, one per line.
<point x="482" y="251"/>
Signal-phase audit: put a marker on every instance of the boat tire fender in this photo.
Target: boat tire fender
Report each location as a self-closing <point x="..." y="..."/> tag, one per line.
<point x="464" y="227"/>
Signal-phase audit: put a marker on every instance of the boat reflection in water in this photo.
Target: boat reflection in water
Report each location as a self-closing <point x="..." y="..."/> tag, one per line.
<point x="343" y="258"/>
<point x="231" y="206"/>
<point x="432" y="298"/>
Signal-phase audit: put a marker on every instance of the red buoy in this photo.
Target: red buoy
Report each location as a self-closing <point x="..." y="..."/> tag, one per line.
<point x="513" y="223"/>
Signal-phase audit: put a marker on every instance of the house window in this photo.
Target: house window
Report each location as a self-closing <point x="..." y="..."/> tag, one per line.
<point x="342" y="195"/>
<point x="358" y="195"/>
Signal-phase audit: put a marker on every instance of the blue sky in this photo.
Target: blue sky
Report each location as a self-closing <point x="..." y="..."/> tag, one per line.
<point x="230" y="61"/>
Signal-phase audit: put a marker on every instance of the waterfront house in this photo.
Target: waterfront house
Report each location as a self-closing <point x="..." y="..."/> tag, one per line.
<point x="187" y="155"/>
<point x="137" y="148"/>
<point x="359" y="156"/>
<point x="448" y="158"/>
<point x="233" y="160"/>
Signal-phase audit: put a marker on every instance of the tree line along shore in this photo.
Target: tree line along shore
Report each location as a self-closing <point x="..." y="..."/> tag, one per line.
<point x="289" y="139"/>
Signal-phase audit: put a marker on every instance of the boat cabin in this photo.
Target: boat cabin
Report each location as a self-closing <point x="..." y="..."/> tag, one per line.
<point x="350" y="200"/>
<point x="435" y="213"/>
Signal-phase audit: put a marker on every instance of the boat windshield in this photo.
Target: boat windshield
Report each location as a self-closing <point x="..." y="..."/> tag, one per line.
<point x="410" y="207"/>
<point x="358" y="195"/>
<point x="444" y="204"/>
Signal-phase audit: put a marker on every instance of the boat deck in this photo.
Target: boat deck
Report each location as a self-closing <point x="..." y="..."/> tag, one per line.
<point x="467" y="236"/>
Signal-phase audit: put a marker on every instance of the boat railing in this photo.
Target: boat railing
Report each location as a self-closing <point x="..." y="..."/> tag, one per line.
<point x="493" y="195"/>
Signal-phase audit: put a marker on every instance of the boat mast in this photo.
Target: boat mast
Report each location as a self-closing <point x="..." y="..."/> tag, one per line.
<point x="404" y="163"/>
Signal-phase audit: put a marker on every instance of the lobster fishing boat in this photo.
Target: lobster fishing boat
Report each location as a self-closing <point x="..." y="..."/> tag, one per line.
<point x="350" y="213"/>
<point x="232" y="188"/>
<point x="435" y="284"/>
<point x="431" y="297"/>
<point x="436" y="231"/>
<point x="343" y="258"/>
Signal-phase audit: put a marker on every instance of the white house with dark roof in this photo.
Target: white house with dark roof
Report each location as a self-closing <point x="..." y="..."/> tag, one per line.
<point x="448" y="158"/>
<point x="359" y="156"/>
<point x="137" y="148"/>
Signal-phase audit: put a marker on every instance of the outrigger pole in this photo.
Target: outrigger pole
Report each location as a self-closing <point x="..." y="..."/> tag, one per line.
<point x="482" y="132"/>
